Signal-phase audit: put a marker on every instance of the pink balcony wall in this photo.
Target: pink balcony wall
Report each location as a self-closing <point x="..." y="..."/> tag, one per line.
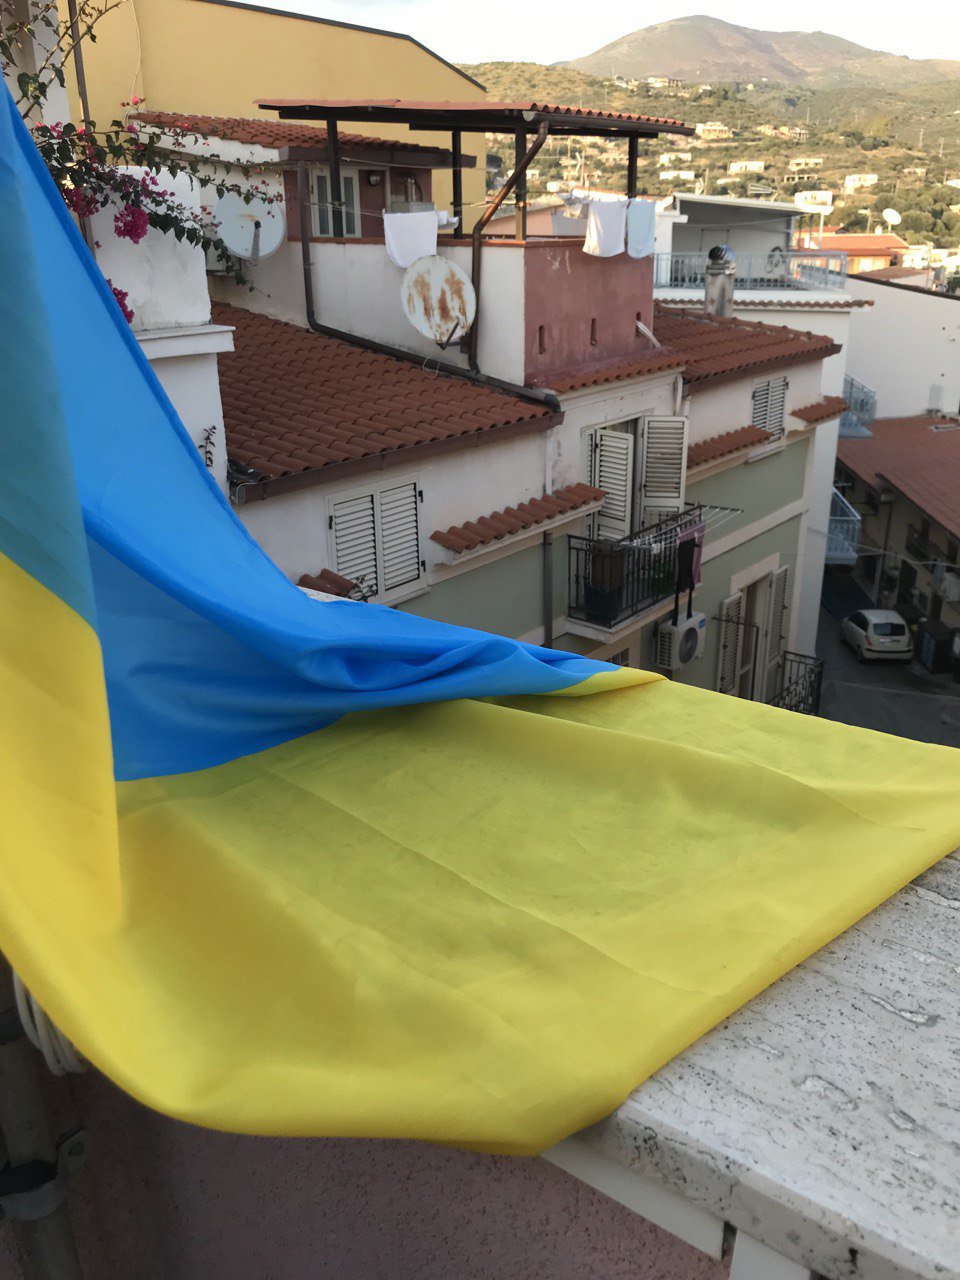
<point x="581" y="311"/>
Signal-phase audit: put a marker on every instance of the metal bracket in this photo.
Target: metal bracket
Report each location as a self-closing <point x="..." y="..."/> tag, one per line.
<point x="36" y="1188"/>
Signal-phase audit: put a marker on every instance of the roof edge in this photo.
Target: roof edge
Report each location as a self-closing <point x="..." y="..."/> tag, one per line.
<point x="348" y="26"/>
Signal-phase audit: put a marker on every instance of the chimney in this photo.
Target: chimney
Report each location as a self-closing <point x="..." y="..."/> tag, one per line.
<point x="718" y="296"/>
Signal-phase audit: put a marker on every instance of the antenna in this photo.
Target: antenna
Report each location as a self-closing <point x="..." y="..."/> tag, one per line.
<point x="892" y="218"/>
<point x="250" y="231"/>
<point x="438" y="299"/>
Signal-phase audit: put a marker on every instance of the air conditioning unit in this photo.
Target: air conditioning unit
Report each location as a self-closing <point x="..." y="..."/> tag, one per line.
<point x="951" y="587"/>
<point x="680" y="642"/>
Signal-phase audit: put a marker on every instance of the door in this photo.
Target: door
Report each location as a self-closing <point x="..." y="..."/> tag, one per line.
<point x="663" y="469"/>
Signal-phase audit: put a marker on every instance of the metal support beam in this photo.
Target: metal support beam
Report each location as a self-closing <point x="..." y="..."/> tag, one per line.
<point x="456" y="147"/>
<point x="336" y="181"/>
<point x="548" y="590"/>
<point x="632" y="148"/>
<point x="519" y="151"/>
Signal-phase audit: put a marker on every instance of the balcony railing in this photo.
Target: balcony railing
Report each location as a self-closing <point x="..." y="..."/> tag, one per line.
<point x="778" y="269"/>
<point x="861" y="408"/>
<point x="614" y="581"/>
<point x="843" y="533"/>
<point x="798" y="684"/>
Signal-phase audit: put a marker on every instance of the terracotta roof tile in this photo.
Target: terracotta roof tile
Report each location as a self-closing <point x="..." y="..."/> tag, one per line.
<point x="892" y="273"/>
<point x="273" y="134"/>
<point x="718" y="349"/>
<point x="296" y="401"/>
<point x="821" y="410"/>
<point x="879" y="244"/>
<point x="722" y="446"/>
<point x="744" y="301"/>
<point x="512" y="520"/>
<point x="327" y="581"/>
<point x="613" y="371"/>
<point x="920" y="462"/>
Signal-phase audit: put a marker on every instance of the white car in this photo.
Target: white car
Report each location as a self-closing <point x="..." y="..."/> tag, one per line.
<point x="877" y="633"/>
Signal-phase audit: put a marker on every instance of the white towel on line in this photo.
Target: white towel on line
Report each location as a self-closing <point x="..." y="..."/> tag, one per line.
<point x="409" y="236"/>
<point x="606" y="228"/>
<point x="641" y="225"/>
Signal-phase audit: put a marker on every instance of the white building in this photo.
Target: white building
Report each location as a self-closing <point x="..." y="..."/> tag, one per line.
<point x="855" y="181"/>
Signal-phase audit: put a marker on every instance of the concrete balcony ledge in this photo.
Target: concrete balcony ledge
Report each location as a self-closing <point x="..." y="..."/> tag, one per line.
<point x="185" y="340"/>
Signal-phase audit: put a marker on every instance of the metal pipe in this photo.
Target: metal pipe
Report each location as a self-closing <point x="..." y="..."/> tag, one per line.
<point x="548" y="590"/>
<point x="519" y="170"/>
<point x="336" y="181"/>
<point x="27" y="1137"/>
<point x="534" y="395"/>
<point x="456" y="147"/>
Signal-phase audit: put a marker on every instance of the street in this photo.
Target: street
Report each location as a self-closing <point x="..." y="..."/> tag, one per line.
<point x="893" y="697"/>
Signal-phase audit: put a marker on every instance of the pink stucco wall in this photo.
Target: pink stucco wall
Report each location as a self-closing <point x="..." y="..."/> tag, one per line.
<point x="165" y="1201"/>
<point x="582" y="310"/>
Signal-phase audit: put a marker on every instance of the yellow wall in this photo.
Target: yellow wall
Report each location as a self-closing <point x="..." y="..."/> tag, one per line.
<point x="215" y="59"/>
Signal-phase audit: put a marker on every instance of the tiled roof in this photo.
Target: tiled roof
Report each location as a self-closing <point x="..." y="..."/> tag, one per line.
<point x="297" y="402"/>
<point x="746" y="302"/>
<point x="719" y="349"/>
<point x="717" y="447"/>
<point x="512" y="520"/>
<point x="862" y="245"/>
<point x="920" y="462"/>
<point x="483" y="107"/>
<point x="613" y="371"/>
<point x="274" y="134"/>
<point x="892" y="273"/>
<point x="821" y="410"/>
<point x="332" y="584"/>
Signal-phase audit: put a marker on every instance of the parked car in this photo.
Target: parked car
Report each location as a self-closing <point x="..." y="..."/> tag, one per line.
<point x="877" y="633"/>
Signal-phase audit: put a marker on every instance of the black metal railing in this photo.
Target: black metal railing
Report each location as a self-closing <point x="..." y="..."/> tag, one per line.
<point x="798" y="684"/>
<point x="612" y="581"/>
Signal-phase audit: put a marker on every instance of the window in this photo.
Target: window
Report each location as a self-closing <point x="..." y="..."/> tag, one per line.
<point x="769" y="399"/>
<point x="324" y="212"/>
<point x="376" y="540"/>
<point x="660" y="479"/>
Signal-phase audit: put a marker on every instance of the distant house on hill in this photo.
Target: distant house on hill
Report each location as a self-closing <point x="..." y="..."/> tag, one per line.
<point x="866" y="252"/>
<point x="854" y="181"/>
<point x="713" y="131"/>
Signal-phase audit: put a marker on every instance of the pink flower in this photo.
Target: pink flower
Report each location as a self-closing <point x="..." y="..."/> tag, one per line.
<point x="121" y="297"/>
<point x="81" y="202"/>
<point x="131" y="223"/>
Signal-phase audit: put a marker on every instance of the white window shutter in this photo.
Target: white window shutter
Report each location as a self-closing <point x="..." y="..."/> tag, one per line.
<point x="400" y="535"/>
<point x="613" y="473"/>
<point x="663" y="477"/>
<point x="355" y="541"/>
<point x="731" y="643"/>
<point x="769" y="405"/>
<point x="776" y="630"/>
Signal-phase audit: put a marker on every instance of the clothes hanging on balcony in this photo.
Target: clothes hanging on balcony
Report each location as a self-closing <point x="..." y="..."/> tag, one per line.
<point x="641" y="225"/>
<point x="410" y="236"/>
<point x="606" y="228"/>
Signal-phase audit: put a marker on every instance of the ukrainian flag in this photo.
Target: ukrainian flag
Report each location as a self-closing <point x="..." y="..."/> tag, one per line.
<point x="289" y="867"/>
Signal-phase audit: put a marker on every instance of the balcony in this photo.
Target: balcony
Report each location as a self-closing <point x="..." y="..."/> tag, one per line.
<point x="798" y="684"/>
<point x="861" y="408"/>
<point x="612" y="582"/>
<point x="843" y="532"/>
<point x="921" y="548"/>
<point x="777" y="269"/>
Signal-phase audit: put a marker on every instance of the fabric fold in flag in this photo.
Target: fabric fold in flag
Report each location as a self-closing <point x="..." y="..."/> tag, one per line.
<point x="284" y="866"/>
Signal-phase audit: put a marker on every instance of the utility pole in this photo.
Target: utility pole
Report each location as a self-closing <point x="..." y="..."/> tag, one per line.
<point x="920" y="142"/>
<point x="941" y="148"/>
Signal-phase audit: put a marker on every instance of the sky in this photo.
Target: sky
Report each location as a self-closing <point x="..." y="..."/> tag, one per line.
<point x="554" y="30"/>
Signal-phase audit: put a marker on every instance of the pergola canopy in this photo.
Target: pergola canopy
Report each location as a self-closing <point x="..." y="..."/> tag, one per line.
<point x="477" y="117"/>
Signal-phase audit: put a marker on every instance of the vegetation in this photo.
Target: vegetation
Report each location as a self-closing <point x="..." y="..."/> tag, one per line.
<point x="909" y="138"/>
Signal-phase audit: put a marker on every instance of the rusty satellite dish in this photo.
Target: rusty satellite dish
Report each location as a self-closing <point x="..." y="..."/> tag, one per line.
<point x="438" y="299"/>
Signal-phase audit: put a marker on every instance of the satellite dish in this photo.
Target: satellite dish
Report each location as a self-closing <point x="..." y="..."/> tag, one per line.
<point x="891" y="217"/>
<point x="438" y="299"/>
<point x="250" y="231"/>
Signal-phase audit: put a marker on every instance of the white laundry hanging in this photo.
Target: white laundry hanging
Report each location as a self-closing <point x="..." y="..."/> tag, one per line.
<point x="641" y="225"/>
<point x="606" y="228"/>
<point x="409" y="236"/>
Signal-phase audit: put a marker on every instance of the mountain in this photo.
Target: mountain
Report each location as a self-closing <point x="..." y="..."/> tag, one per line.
<point x="706" y="49"/>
